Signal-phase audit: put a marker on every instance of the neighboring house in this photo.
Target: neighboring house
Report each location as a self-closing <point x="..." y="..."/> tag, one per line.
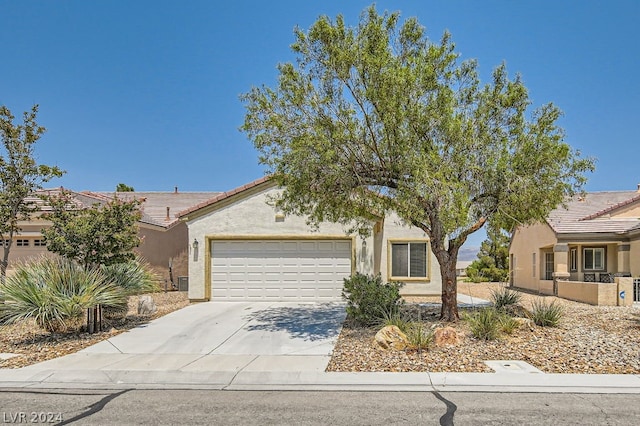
<point x="242" y="248"/>
<point x="461" y="267"/>
<point x="164" y="237"/>
<point x="577" y="251"/>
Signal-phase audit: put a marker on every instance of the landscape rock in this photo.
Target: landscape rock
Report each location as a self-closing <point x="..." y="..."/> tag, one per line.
<point x="146" y="306"/>
<point x="391" y="337"/>
<point x="446" y="336"/>
<point x="525" y="322"/>
<point x="518" y="311"/>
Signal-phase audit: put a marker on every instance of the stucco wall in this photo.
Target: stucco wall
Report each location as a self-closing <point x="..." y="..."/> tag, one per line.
<point x="394" y="230"/>
<point x="602" y="294"/>
<point x="635" y="257"/>
<point x="29" y="231"/>
<point x="526" y="241"/>
<point x="250" y="215"/>
<point x="158" y="246"/>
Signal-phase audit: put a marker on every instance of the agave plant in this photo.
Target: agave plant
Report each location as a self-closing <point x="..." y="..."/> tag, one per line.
<point x="56" y="292"/>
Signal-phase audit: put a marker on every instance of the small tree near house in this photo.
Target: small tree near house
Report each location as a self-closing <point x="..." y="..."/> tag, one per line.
<point x="98" y="235"/>
<point x="101" y="235"/>
<point x="20" y="176"/>
<point x="379" y="118"/>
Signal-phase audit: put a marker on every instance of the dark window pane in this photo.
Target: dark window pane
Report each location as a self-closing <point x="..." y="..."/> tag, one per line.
<point x="399" y="260"/>
<point x="418" y="260"/>
<point x="588" y="259"/>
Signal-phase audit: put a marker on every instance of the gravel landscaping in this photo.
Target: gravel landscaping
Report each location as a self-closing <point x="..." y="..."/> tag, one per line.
<point x="33" y="345"/>
<point x="589" y="339"/>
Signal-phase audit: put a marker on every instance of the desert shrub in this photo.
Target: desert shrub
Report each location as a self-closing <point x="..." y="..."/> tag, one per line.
<point x="418" y="335"/>
<point x="484" y="323"/>
<point x="369" y="299"/>
<point x="55" y="292"/>
<point x="508" y="324"/>
<point x="546" y="314"/>
<point x="505" y="297"/>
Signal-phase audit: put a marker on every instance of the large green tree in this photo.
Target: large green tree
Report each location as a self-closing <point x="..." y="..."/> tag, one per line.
<point x="493" y="258"/>
<point x="93" y="236"/>
<point x="377" y="117"/>
<point x="20" y="175"/>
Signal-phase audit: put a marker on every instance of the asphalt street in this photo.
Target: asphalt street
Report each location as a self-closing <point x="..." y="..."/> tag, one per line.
<point x="200" y="407"/>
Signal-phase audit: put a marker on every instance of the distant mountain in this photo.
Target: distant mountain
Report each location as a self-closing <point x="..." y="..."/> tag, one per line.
<point x="468" y="253"/>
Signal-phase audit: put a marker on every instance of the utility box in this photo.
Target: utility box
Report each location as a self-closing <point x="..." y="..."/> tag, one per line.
<point x="183" y="283"/>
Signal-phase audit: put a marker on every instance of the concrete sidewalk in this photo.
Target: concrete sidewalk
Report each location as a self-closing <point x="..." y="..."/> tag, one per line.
<point x="269" y="347"/>
<point x="285" y="372"/>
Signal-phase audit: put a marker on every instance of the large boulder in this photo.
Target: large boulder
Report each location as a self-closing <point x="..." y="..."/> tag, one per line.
<point x="446" y="336"/>
<point x="146" y="306"/>
<point x="391" y="337"/>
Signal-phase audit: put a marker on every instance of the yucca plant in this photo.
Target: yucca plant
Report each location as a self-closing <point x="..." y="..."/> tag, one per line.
<point x="419" y="336"/>
<point x="484" y="323"/>
<point x="505" y="297"/>
<point x="134" y="277"/>
<point x="55" y="292"/>
<point x="546" y="314"/>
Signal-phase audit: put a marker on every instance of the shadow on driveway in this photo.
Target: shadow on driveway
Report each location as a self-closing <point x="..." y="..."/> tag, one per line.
<point x="311" y="322"/>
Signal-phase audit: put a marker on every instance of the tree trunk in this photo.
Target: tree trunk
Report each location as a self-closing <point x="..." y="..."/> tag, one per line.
<point x="6" y="249"/>
<point x="449" y="310"/>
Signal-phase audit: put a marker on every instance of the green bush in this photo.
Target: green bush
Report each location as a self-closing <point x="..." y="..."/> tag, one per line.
<point x="485" y="324"/>
<point x="505" y="297"/>
<point x="369" y="300"/>
<point x="546" y="314"/>
<point x="55" y="292"/>
<point x="134" y="276"/>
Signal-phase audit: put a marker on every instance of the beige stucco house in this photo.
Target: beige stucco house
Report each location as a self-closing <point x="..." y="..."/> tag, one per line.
<point x="588" y="251"/>
<point x="164" y="236"/>
<point x="243" y="248"/>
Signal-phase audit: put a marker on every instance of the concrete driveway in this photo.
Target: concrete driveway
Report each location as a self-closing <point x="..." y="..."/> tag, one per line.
<point x="235" y="328"/>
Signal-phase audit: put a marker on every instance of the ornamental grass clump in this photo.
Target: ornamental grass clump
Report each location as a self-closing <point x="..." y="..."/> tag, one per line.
<point x="546" y="314"/>
<point x="55" y="292"/>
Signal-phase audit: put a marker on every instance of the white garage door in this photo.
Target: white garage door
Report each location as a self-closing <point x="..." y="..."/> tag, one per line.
<point x="278" y="270"/>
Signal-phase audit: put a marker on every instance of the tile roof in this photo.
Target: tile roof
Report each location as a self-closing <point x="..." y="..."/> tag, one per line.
<point x="161" y="208"/>
<point x="154" y="204"/>
<point x="223" y="196"/>
<point x="588" y="214"/>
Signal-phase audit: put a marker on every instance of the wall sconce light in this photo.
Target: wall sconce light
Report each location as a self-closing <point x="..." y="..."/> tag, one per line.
<point x="279" y="216"/>
<point x="195" y="249"/>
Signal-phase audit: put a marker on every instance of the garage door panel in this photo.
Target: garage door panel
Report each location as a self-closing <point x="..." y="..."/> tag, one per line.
<point x="279" y="270"/>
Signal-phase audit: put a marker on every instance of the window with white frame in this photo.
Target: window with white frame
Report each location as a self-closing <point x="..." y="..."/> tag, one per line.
<point x="39" y="242"/>
<point x="573" y="259"/>
<point x="409" y="260"/>
<point x="22" y="243"/>
<point x="593" y="259"/>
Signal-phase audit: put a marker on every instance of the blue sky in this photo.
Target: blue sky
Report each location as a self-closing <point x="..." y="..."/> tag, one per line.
<point x="146" y="92"/>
